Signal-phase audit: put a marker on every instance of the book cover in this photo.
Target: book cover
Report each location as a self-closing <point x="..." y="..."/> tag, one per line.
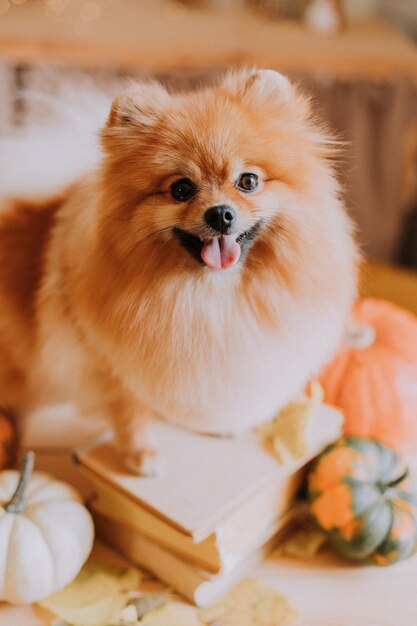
<point x="208" y="482"/>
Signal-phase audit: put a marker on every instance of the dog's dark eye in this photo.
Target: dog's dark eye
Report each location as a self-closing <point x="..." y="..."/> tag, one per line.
<point x="247" y="182"/>
<point x="183" y="189"/>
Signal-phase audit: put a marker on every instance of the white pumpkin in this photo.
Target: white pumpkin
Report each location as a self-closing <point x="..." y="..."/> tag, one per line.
<point x="46" y="534"/>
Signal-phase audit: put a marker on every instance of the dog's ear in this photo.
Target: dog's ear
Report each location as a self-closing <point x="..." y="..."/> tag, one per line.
<point x="139" y="106"/>
<point x="259" y="86"/>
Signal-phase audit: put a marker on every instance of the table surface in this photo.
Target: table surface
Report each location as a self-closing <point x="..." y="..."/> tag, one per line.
<point x="327" y="591"/>
<point x="158" y="36"/>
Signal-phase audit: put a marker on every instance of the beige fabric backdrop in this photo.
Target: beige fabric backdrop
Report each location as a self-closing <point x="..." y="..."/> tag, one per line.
<point x="378" y="169"/>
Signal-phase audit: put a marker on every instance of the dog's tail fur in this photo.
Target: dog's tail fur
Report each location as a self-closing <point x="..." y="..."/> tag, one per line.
<point x="57" y="142"/>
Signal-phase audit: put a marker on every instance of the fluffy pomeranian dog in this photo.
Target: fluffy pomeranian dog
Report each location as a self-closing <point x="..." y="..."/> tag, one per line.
<point x="200" y="271"/>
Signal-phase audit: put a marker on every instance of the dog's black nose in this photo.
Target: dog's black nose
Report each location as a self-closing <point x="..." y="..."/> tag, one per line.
<point x="220" y="217"/>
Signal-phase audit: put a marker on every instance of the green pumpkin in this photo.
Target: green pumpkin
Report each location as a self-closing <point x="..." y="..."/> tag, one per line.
<point x="360" y="494"/>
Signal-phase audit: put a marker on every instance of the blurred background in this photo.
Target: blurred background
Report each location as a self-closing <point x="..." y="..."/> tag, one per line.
<point x="357" y="58"/>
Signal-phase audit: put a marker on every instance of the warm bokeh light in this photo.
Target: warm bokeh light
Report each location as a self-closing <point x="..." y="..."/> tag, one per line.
<point x="55" y="7"/>
<point x="90" y="11"/>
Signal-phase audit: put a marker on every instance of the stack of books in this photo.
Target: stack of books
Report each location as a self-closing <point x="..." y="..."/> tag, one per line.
<point x="218" y="506"/>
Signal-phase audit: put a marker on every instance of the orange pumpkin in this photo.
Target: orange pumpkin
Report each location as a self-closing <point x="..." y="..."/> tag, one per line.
<point x="7" y="441"/>
<point x="373" y="377"/>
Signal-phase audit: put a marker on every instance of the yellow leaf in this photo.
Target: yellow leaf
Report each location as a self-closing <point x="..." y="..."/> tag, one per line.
<point x="96" y="597"/>
<point x="303" y="543"/>
<point x="250" y="603"/>
<point x="149" y="602"/>
<point x="287" y="431"/>
<point x="170" y="615"/>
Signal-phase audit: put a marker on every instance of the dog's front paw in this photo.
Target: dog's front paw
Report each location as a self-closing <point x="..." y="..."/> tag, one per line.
<point x="143" y="462"/>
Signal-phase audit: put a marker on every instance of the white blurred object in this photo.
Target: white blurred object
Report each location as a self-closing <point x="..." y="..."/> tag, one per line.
<point x="38" y="158"/>
<point x="325" y="16"/>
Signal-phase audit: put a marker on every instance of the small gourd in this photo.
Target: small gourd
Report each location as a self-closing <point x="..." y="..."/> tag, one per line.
<point x="373" y="376"/>
<point x="46" y="534"/>
<point x="360" y="494"/>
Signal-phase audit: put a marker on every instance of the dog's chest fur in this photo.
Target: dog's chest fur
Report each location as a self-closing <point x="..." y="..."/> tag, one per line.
<point x="195" y="353"/>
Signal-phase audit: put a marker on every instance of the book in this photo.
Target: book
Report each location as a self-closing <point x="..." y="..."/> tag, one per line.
<point x="197" y="585"/>
<point x="221" y="548"/>
<point x="216" y="499"/>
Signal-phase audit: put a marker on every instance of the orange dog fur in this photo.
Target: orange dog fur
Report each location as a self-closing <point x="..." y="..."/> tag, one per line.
<point x="102" y="306"/>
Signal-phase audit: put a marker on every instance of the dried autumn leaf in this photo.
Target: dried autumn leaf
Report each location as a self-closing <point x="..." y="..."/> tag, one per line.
<point x="303" y="543"/>
<point x="148" y="602"/>
<point x="96" y="597"/>
<point x="170" y="615"/>
<point x="250" y="603"/>
<point x="287" y="432"/>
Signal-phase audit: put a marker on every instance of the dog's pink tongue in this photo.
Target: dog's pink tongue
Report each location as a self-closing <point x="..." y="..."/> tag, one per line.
<point x="221" y="252"/>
